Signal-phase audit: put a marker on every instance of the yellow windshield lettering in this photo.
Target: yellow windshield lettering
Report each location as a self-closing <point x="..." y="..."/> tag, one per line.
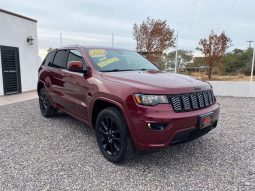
<point x="97" y="52"/>
<point x="107" y="62"/>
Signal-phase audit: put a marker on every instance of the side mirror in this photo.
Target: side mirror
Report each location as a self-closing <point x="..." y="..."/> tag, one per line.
<point x="76" y="66"/>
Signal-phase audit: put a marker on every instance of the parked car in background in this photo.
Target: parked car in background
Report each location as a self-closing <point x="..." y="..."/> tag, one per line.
<point x="125" y="98"/>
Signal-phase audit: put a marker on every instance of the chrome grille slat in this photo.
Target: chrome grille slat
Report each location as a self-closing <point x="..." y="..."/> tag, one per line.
<point x="176" y="102"/>
<point x="210" y="97"/>
<point x="206" y="100"/>
<point x="192" y="101"/>
<point x="200" y="99"/>
<point x="213" y="96"/>
<point x="186" y="102"/>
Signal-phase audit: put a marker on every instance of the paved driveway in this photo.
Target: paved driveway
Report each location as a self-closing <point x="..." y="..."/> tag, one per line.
<point x="61" y="154"/>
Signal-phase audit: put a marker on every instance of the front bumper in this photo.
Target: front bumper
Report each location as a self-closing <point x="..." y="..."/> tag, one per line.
<point x="191" y="134"/>
<point x="180" y="127"/>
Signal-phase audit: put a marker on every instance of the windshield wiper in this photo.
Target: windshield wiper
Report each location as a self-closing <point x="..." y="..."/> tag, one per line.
<point x="116" y="70"/>
<point x="144" y="69"/>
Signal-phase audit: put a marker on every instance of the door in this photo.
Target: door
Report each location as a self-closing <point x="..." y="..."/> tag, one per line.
<point x="76" y="87"/>
<point x="57" y="83"/>
<point x="68" y="89"/>
<point x="10" y="70"/>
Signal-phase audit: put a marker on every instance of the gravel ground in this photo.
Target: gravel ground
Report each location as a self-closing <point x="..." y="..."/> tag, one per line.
<point x="61" y="153"/>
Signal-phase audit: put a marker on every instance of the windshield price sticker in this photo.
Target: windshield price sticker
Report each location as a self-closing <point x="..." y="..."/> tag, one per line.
<point x="107" y="62"/>
<point x="102" y="59"/>
<point x="97" y="53"/>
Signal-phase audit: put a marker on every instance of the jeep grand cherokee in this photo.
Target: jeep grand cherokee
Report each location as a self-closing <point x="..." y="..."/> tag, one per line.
<point x="127" y="100"/>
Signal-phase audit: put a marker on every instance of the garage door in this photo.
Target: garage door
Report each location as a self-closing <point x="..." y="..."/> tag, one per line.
<point x="10" y="70"/>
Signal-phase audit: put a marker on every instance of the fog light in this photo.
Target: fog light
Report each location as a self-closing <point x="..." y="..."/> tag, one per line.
<point x="157" y="126"/>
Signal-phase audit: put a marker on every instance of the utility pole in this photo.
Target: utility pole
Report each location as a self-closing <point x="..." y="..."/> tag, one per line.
<point x="252" y="63"/>
<point x="176" y="53"/>
<point x="112" y="39"/>
<point x="250" y="41"/>
<point x="60" y="36"/>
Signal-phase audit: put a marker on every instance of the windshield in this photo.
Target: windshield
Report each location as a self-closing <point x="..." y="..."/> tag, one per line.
<point x="107" y="60"/>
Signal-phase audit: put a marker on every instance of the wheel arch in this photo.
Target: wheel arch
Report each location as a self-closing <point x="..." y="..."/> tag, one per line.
<point x="103" y="103"/>
<point x="40" y="85"/>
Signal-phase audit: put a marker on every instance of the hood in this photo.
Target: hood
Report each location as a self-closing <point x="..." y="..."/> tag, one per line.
<point x="157" y="82"/>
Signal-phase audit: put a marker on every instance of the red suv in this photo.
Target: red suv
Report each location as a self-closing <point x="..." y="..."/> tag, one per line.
<point x="125" y="98"/>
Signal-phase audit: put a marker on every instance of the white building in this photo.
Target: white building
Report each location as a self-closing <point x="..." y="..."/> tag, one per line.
<point x="19" y="61"/>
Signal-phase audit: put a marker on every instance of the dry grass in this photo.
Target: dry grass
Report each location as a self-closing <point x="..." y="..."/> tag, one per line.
<point x="203" y="76"/>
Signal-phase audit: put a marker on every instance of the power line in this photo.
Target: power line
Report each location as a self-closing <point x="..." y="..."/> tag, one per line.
<point x="228" y="13"/>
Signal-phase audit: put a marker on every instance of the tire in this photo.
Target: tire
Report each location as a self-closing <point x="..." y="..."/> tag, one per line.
<point x="112" y="135"/>
<point x="46" y="108"/>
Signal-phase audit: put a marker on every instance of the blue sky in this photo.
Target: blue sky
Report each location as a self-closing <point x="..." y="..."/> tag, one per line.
<point x="91" y="22"/>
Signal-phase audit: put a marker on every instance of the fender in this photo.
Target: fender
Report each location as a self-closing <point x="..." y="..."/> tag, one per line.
<point x="120" y="106"/>
<point x="46" y="90"/>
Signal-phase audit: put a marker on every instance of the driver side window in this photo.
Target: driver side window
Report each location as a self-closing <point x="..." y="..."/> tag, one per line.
<point x="75" y="55"/>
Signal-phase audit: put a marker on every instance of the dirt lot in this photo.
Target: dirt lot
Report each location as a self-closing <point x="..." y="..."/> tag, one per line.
<point x="61" y="154"/>
<point x="203" y="76"/>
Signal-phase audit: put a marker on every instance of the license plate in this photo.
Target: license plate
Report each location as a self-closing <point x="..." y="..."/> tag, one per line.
<point x="205" y="120"/>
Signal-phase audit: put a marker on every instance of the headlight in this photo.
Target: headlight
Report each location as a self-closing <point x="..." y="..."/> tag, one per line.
<point x="151" y="99"/>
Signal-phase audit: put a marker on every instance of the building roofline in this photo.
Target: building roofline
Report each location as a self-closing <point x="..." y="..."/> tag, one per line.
<point x="17" y="15"/>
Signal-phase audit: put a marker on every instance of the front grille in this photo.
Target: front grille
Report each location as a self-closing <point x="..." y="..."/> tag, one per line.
<point x="192" y="101"/>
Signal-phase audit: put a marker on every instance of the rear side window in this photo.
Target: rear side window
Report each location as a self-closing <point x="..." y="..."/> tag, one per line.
<point x="49" y="60"/>
<point x="60" y="59"/>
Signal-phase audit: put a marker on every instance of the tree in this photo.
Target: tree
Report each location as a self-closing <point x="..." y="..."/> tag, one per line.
<point x="236" y="62"/>
<point x="198" y="62"/>
<point x="153" y="37"/>
<point x="232" y="62"/>
<point x="214" y="49"/>
<point x="184" y="56"/>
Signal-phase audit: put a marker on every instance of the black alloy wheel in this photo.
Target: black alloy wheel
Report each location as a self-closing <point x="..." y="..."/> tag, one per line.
<point x="46" y="108"/>
<point x="112" y="135"/>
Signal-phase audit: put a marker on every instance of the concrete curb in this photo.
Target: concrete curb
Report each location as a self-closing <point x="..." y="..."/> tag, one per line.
<point x="233" y="88"/>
